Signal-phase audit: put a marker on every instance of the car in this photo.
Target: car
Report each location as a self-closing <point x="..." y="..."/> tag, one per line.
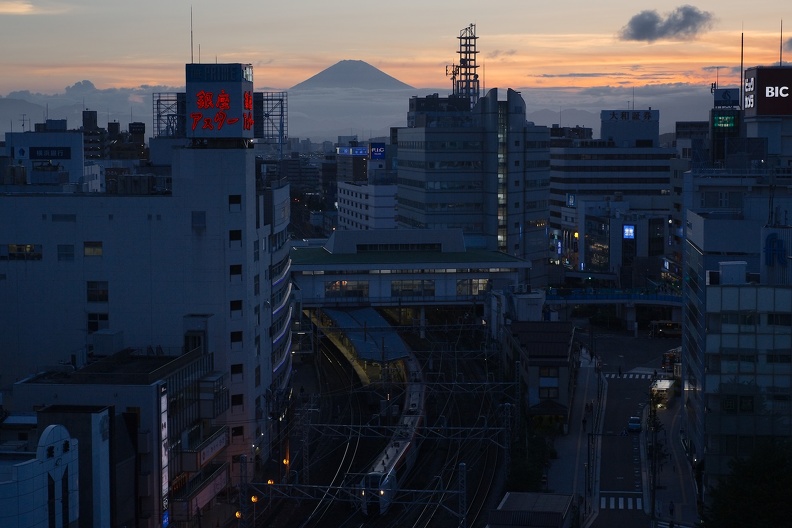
<point x="634" y="424"/>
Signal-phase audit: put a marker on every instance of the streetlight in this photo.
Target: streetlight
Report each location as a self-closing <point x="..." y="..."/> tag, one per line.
<point x="254" y="500"/>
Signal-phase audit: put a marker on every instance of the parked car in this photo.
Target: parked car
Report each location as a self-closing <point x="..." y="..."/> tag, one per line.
<point x="634" y="424"/>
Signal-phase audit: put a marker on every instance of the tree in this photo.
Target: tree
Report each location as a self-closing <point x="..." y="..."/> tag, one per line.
<point x="757" y="491"/>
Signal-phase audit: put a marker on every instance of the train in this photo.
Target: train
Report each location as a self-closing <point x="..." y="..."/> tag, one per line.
<point x="381" y="483"/>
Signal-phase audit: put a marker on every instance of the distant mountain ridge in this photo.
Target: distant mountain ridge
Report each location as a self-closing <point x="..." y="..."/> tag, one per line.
<point x="352" y="74"/>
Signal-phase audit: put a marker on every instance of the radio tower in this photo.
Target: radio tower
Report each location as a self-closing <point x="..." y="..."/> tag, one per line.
<point x="464" y="76"/>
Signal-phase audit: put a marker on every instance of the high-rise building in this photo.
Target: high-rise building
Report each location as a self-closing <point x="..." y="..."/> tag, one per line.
<point x="204" y="266"/>
<point x="483" y="170"/>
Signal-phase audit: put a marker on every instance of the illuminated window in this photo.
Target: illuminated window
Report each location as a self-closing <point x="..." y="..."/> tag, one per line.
<point x="20" y="252"/>
<point x="92" y="249"/>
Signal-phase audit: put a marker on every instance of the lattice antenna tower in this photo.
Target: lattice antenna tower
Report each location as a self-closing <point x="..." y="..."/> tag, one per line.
<point x="464" y="76"/>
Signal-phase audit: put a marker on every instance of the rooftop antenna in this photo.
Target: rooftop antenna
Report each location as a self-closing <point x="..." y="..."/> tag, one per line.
<point x="742" y="68"/>
<point x="781" y="46"/>
<point x="464" y="76"/>
<point x="192" y="59"/>
<point x="23" y="121"/>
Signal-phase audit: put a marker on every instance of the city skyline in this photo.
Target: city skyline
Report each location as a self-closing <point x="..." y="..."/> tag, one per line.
<point x="602" y="47"/>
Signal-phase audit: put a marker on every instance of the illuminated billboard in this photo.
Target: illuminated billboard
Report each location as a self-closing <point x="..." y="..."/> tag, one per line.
<point x="629" y="231"/>
<point x="726" y="97"/>
<point x="352" y="151"/>
<point x="219" y="101"/>
<point x="767" y="91"/>
<point x="377" y="151"/>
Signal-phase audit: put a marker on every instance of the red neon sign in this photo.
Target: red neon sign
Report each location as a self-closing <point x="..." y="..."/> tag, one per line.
<point x="222" y="103"/>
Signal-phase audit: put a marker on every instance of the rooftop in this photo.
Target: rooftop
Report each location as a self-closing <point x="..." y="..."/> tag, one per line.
<point x="131" y="366"/>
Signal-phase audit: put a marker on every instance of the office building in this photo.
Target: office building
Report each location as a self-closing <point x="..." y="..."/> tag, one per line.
<point x="610" y="201"/>
<point x="736" y="325"/>
<point x="482" y="170"/>
<point x="204" y="266"/>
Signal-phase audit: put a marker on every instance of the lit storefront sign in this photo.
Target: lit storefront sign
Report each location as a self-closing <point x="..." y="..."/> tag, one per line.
<point x="164" y="452"/>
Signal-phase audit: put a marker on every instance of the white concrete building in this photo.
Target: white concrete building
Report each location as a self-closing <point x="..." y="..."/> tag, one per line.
<point x="366" y="206"/>
<point x="40" y="490"/>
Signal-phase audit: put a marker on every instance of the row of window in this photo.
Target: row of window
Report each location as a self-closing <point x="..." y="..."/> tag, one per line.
<point x="403" y="288"/>
<point x="407" y="271"/>
<point x="716" y="321"/>
<point x="36" y="251"/>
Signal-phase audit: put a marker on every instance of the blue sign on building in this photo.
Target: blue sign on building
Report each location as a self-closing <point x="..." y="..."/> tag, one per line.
<point x="774" y="251"/>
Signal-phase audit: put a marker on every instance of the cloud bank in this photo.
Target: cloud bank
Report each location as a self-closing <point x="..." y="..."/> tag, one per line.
<point x="685" y="22"/>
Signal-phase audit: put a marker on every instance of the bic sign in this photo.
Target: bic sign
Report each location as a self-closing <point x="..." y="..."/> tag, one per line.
<point x="767" y="91"/>
<point x="776" y="91"/>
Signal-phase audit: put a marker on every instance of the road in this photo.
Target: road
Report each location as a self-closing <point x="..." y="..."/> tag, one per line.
<point x="621" y="493"/>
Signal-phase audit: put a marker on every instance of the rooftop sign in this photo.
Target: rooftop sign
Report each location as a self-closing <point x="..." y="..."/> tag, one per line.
<point x="219" y="100"/>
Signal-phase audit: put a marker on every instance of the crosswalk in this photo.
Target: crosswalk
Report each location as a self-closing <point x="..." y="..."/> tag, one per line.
<point x="620" y="502"/>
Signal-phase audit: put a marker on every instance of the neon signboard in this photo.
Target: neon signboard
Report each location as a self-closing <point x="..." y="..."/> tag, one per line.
<point x="377" y="151"/>
<point x="629" y="231"/>
<point x="219" y="101"/>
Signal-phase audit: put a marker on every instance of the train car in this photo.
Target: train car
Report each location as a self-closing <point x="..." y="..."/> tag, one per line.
<point x="380" y="485"/>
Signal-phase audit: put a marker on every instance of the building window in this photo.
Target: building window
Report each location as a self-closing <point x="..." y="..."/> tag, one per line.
<point x="238" y="431"/>
<point x="237" y="400"/>
<point x="235" y="237"/>
<point x="236" y="337"/>
<point x="66" y="252"/>
<point x="97" y="321"/>
<point x="235" y="202"/>
<point x="548" y="372"/>
<point x="256" y="284"/>
<point x="779" y="319"/>
<point x="255" y="250"/>
<point x="235" y="270"/>
<point x="257" y="380"/>
<point x="235" y="307"/>
<point x="237" y="372"/>
<point x="21" y="252"/>
<point x="97" y="291"/>
<point x="92" y="249"/>
<point x="548" y="393"/>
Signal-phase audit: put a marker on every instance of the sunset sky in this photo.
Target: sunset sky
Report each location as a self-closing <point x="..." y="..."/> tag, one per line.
<point x="574" y="44"/>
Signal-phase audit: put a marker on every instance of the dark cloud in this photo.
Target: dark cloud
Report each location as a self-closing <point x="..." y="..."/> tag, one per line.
<point x="788" y="45"/>
<point x="501" y="53"/>
<point x="685" y="22"/>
